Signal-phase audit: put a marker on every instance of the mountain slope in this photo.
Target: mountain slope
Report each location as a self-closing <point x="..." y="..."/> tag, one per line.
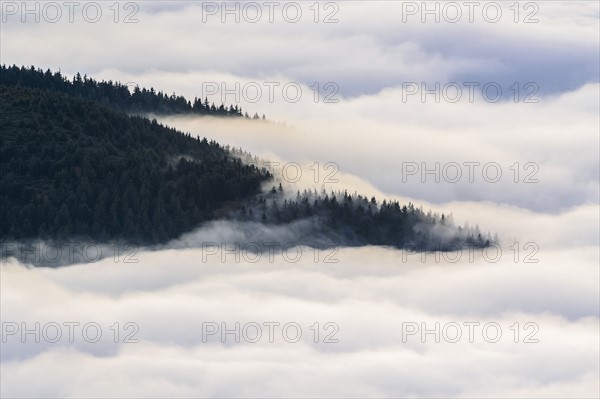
<point x="74" y="168"/>
<point x="71" y="167"/>
<point x="123" y="97"/>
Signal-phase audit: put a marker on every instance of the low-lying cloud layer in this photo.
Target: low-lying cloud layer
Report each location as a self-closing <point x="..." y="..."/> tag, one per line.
<point x="373" y="298"/>
<point x="371" y="304"/>
<point x="379" y="139"/>
<point x="540" y="156"/>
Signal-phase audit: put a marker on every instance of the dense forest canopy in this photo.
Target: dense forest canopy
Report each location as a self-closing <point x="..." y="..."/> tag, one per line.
<point x="74" y="162"/>
<point x="129" y="98"/>
<point x="339" y="218"/>
<point x="72" y="167"/>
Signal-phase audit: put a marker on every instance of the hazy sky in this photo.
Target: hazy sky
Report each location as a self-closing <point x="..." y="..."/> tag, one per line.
<point x="546" y="66"/>
<point x="544" y="202"/>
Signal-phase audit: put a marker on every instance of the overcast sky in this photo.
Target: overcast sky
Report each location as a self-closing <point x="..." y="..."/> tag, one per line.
<point x="372" y="53"/>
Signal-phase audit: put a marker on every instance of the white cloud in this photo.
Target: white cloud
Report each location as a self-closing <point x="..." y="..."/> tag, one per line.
<point x="370" y="48"/>
<point x="368" y="294"/>
<point x="554" y="143"/>
<point x="371" y="291"/>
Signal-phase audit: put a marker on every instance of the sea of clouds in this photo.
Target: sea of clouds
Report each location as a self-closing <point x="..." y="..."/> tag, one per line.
<point x="168" y="301"/>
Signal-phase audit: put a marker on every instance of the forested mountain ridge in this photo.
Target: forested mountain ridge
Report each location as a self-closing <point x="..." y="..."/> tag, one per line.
<point x="129" y="98"/>
<point x="71" y="167"/>
<point x="339" y="218"/>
